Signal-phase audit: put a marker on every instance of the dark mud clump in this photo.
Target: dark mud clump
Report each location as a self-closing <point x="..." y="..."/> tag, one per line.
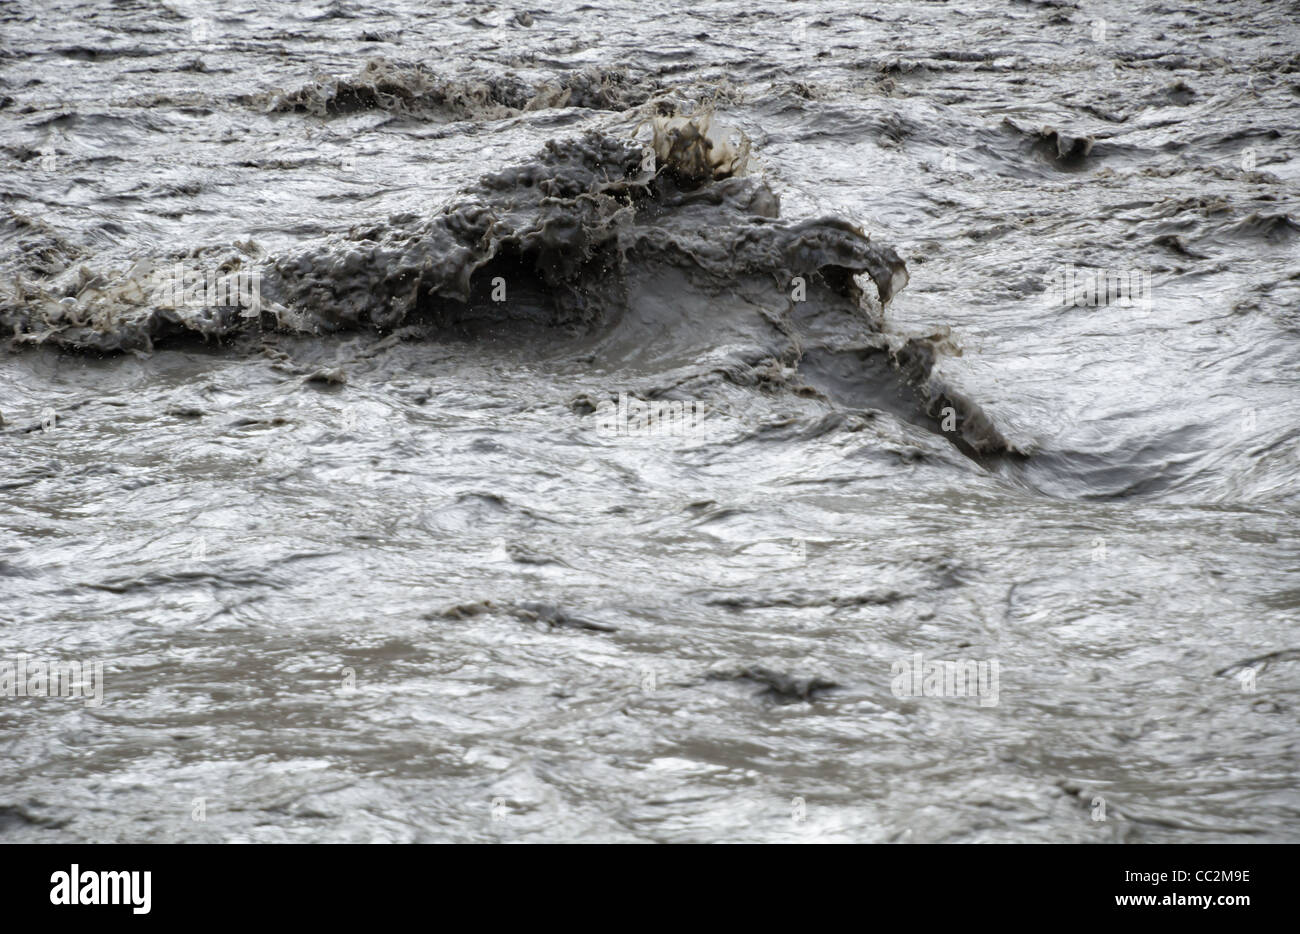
<point x="779" y="687"/>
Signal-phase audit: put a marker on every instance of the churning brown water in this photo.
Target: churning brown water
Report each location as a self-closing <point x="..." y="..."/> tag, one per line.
<point x="970" y="332"/>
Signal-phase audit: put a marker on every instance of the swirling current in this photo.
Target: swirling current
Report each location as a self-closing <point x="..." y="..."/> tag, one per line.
<point x="766" y="422"/>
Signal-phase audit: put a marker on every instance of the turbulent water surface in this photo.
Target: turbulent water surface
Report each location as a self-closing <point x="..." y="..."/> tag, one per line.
<point x="972" y="331"/>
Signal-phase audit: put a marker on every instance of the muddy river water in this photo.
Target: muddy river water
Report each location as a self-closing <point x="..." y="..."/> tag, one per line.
<point x="747" y="421"/>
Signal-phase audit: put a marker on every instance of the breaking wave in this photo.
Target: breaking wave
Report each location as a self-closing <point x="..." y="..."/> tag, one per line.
<point x="418" y="91"/>
<point x="656" y="250"/>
